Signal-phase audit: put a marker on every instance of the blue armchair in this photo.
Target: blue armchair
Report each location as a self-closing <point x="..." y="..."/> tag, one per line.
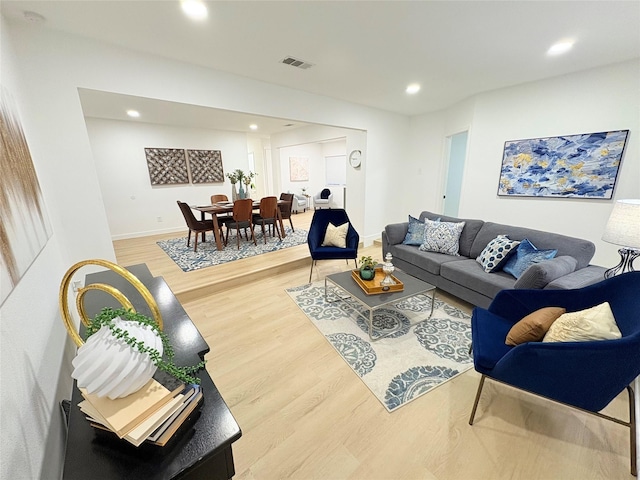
<point x="315" y="237"/>
<point x="586" y="375"/>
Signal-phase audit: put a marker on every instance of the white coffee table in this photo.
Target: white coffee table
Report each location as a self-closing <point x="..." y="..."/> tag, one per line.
<point x="412" y="287"/>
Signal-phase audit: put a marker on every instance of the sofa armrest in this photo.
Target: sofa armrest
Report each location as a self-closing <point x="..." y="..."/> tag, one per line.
<point x="396" y="232"/>
<point x="539" y="275"/>
<point x="580" y="278"/>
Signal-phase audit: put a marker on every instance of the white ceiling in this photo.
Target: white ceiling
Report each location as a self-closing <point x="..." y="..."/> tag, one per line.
<point x="365" y="52"/>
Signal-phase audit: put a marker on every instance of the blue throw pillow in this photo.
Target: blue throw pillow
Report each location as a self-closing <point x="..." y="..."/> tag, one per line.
<point x="526" y="255"/>
<point x="415" y="233"/>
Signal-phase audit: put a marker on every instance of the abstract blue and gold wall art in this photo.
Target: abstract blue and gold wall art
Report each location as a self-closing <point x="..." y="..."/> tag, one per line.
<point x="583" y="166"/>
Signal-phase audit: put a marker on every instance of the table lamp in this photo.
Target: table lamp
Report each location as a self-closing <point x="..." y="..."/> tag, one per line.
<point x="623" y="228"/>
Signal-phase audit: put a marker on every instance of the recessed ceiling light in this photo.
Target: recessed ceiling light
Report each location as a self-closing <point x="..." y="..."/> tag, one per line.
<point x="133" y="113"/>
<point x="194" y="9"/>
<point x="560" y="47"/>
<point x="253" y="126"/>
<point x="413" y="88"/>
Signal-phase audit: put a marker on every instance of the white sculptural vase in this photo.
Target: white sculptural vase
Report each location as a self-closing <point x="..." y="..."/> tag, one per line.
<point x="108" y="366"/>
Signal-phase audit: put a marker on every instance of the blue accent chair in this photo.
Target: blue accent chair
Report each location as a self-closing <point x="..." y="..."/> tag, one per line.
<point x="585" y="375"/>
<point x="322" y="218"/>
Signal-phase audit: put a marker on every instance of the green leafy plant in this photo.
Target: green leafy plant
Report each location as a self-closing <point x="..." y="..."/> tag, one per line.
<point x="163" y="362"/>
<point x="368" y="262"/>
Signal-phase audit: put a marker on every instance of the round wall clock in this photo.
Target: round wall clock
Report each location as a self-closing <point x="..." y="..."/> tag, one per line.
<point x="355" y="158"/>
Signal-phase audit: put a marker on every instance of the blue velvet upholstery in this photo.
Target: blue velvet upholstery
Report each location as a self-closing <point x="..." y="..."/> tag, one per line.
<point x="586" y="375"/>
<point x="322" y="218"/>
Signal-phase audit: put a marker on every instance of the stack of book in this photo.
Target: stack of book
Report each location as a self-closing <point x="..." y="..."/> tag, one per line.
<point x="153" y="414"/>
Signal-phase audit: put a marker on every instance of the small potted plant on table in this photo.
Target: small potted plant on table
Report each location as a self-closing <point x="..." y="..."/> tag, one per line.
<point x="367" y="268"/>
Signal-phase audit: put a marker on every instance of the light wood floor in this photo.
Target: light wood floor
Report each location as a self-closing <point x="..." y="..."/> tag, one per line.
<point x="305" y="414"/>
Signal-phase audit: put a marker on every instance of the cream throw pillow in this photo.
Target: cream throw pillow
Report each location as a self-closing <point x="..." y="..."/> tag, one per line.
<point x="336" y="236"/>
<point x="595" y="323"/>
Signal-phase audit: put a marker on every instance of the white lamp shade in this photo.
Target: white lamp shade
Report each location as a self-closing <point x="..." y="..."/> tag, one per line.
<point x="623" y="227"/>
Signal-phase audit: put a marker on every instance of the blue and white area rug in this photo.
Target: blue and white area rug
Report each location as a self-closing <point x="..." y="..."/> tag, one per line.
<point x="208" y="255"/>
<point x="406" y="364"/>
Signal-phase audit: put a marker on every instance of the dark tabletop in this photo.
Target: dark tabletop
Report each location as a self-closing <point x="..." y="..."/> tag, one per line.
<point x="206" y="435"/>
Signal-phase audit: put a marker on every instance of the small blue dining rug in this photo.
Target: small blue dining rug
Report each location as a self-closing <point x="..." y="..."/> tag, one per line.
<point x="404" y="365"/>
<point x="208" y="255"/>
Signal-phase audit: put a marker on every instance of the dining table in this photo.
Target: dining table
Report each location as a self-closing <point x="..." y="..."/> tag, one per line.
<point x="227" y="207"/>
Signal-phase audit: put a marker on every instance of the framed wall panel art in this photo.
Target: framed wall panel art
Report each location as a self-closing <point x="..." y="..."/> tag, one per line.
<point x="167" y="166"/>
<point x="299" y="169"/>
<point x="205" y="166"/>
<point x="582" y="166"/>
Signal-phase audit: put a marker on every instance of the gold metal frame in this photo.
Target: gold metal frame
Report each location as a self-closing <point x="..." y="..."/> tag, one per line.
<point x="631" y="424"/>
<point x="114" y="292"/>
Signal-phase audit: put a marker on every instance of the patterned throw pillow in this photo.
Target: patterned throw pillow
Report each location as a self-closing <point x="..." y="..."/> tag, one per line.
<point x="526" y="255"/>
<point x="442" y="237"/>
<point x="496" y="253"/>
<point x="415" y="233"/>
<point x="336" y="236"/>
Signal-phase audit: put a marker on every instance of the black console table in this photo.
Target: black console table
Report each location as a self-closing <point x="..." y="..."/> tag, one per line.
<point x="202" y="447"/>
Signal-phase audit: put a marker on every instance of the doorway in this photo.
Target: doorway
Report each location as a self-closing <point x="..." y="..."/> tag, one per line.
<point x="457" y="147"/>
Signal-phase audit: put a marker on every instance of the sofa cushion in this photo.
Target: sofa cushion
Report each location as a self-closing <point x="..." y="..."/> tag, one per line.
<point x="428" y="261"/>
<point x="469" y="232"/>
<point x="442" y="237"/>
<point x="581" y="250"/>
<point x="496" y="253"/>
<point x="526" y="255"/>
<point x="539" y="275"/>
<point x="469" y="274"/>
<point x="415" y="232"/>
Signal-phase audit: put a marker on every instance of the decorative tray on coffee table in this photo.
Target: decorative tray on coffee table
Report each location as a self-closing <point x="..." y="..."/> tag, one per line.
<point x="373" y="286"/>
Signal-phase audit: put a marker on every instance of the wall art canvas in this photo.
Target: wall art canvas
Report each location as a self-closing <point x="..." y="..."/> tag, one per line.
<point x="205" y="166"/>
<point x="24" y="225"/>
<point x="167" y="166"/>
<point x="299" y="169"/>
<point x="582" y="166"/>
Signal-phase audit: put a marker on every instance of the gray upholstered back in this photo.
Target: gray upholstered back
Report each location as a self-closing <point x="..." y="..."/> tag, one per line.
<point x="581" y="250"/>
<point x="469" y="232"/>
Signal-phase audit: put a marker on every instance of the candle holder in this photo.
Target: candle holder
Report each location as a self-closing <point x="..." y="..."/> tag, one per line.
<point x="388" y="269"/>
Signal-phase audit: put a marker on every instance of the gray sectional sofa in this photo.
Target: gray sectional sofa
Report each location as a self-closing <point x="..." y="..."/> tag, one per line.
<point x="465" y="278"/>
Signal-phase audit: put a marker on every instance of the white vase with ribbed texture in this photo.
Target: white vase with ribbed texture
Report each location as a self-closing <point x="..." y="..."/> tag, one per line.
<point x="108" y="366"/>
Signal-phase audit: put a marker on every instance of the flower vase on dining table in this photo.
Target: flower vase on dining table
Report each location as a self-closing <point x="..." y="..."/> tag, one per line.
<point x="241" y="192"/>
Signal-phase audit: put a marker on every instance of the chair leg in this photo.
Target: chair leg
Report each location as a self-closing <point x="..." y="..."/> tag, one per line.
<point x="291" y="223"/>
<point x="475" y="404"/>
<point x="311" y="272"/>
<point x="264" y="235"/>
<point x="189" y="238"/>
<point x="195" y="242"/>
<point x="632" y="425"/>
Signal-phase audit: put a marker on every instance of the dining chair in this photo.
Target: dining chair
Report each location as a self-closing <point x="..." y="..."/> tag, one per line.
<point x="223" y="218"/>
<point x="268" y="217"/>
<point x="285" y="209"/>
<point x="219" y="197"/>
<point x="242" y="218"/>
<point x="195" y="225"/>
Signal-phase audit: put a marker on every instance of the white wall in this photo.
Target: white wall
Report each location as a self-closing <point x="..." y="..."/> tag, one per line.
<point x="132" y="204"/>
<point x="34" y="348"/>
<point x="597" y="100"/>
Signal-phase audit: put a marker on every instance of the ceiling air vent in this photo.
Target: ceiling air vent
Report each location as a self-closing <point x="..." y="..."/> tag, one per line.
<point x="294" y="62"/>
